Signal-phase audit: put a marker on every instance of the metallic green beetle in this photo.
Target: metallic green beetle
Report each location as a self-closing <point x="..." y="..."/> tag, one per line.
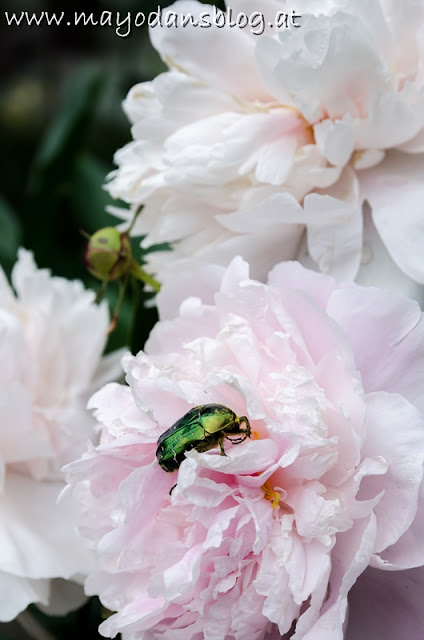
<point x="201" y="428"/>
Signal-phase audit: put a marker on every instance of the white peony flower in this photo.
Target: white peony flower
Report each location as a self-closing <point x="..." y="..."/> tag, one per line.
<point x="250" y="139"/>
<point x="51" y="339"/>
<point x="355" y="71"/>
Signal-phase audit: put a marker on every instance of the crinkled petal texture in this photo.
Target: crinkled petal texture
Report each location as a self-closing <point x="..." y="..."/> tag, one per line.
<point x="267" y="540"/>
<point x="249" y="140"/>
<point x="51" y="341"/>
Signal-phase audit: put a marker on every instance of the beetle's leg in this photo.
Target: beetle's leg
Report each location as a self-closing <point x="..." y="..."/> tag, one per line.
<point x="240" y="434"/>
<point x="172" y="488"/>
<point x="235" y="440"/>
<point x="246" y="431"/>
<point x="221" y="445"/>
<point x="246" y="421"/>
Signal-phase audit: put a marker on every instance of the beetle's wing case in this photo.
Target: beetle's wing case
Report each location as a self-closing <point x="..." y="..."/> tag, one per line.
<point x="182" y="439"/>
<point x="187" y="420"/>
<point x="171" y="452"/>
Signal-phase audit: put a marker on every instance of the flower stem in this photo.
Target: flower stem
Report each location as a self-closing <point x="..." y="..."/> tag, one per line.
<point x="141" y="275"/>
<point x="115" y="317"/>
<point x="135" y="216"/>
<point x="101" y="291"/>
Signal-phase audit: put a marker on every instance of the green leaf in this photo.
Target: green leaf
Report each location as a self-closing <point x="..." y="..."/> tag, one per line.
<point x="57" y="155"/>
<point x="10" y="234"/>
<point x="51" y="176"/>
<point x="89" y="199"/>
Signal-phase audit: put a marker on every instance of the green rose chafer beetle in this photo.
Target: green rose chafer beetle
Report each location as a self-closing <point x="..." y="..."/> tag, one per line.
<point x="201" y="428"/>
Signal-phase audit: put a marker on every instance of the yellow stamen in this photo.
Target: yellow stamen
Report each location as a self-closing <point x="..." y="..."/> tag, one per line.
<point x="271" y="495"/>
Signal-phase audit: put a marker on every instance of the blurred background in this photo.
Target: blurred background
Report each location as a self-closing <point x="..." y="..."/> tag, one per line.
<point x="61" y="122"/>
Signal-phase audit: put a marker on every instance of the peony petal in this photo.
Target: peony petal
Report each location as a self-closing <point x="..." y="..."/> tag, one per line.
<point x="253" y="457"/>
<point x="19" y="441"/>
<point x="395" y="192"/>
<point x="395" y="431"/>
<point x="394" y="333"/>
<point x="318" y="286"/>
<point x="335" y="140"/>
<point x="336" y="248"/>
<point x="201" y="282"/>
<point x="378" y="268"/>
<point x="309" y="317"/>
<point x="366" y="158"/>
<point x="321" y="64"/>
<point x="336" y="245"/>
<point x="194" y="49"/>
<point x="350" y="558"/>
<point x="416" y="145"/>
<point x="16" y="593"/>
<point x="35" y="541"/>
<point x="407" y="553"/>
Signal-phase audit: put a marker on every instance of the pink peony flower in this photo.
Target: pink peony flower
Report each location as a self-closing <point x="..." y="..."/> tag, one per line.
<point x="51" y="340"/>
<point x="268" y="540"/>
<point x="248" y="140"/>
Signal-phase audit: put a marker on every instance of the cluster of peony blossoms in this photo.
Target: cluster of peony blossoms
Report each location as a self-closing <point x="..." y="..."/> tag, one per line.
<point x="269" y="540"/>
<point x="268" y="145"/>
<point x="51" y="337"/>
<point x="303" y="144"/>
<point x="280" y="168"/>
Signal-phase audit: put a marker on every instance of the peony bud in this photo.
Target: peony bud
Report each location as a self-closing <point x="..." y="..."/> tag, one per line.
<point x="108" y="255"/>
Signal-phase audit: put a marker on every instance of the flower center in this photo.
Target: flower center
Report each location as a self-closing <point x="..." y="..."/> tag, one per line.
<point x="270" y="494"/>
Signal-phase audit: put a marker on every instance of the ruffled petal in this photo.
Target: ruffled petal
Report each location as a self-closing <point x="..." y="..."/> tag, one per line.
<point x="395" y="431"/>
<point x="204" y="53"/>
<point x="394" y="334"/>
<point x="335" y="243"/>
<point x="16" y="593"/>
<point x="38" y="539"/>
<point x="395" y="192"/>
<point x="378" y="269"/>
